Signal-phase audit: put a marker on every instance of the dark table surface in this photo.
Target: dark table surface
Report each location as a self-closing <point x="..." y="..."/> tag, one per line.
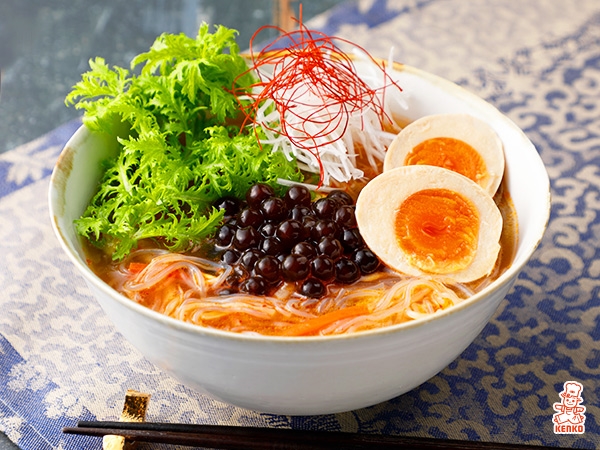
<point x="46" y="45"/>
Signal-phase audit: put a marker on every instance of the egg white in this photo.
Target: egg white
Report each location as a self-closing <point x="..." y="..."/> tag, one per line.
<point x="379" y="200"/>
<point x="464" y="127"/>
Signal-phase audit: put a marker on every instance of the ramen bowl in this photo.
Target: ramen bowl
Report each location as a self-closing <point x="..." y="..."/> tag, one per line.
<point x="321" y="374"/>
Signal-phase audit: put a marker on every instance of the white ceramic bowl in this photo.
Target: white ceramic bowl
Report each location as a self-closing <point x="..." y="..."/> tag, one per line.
<point x="312" y="375"/>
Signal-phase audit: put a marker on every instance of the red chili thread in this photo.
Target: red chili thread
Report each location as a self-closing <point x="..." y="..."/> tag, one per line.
<point x="308" y="63"/>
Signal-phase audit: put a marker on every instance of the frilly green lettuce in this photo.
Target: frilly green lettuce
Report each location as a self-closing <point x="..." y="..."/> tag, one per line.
<point x="183" y="151"/>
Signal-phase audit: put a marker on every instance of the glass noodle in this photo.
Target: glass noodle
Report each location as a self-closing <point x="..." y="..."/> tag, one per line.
<point x="185" y="287"/>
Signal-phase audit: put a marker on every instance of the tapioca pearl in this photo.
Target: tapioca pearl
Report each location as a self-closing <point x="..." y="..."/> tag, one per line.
<point x="324" y="208"/>
<point x="297" y="195"/>
<point x="346" y="271"/>
<point x="255" y="285"/>
<point x="366" y="260"/>
<point x="311" y="287"/>
<point x="299" y="212"/>
<point x="304" y="248"/>
<point x="351" y="239"/>
<point x="230" y="205"/>
<point x="290" y="232"/>
<point x="322" y="267"/>
<point x="330" y="247"/>
<point x="249" y="257"/>
<point x="295" y="267"/>
<point x="230" y="256"/>
<point x="271" y="246"/>
<point x="250" y="217"/>
<point x="268" y="267"/>
<point x="345" y="216"/>
<point x="268" y="229"/>
<point x="258" y="193"/>
<point x="225" y="235"/>
<point x="341" y="197"/>
<point x="245" y="238"/>
<point x="323" y="228"/>
<point x="274" y="208"/>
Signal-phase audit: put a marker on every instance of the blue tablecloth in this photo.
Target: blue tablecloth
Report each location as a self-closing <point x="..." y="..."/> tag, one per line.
<point x="539" y="62"/>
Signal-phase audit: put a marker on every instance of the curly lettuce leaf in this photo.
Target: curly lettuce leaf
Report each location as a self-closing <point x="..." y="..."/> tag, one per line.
<point x="182" y="152"/>
<point x="151" y="192"/>
<point x="184" y="86"/>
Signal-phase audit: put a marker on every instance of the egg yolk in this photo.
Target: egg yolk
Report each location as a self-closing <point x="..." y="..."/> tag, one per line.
<point x="449" y="153"/>
<point x="438" y="230"/>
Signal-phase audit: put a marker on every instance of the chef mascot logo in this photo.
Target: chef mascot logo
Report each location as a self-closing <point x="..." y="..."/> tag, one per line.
<point x="570" y="416"/>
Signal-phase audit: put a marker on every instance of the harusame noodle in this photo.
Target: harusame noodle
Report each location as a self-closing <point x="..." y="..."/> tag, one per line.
<point x="183" y="287"/>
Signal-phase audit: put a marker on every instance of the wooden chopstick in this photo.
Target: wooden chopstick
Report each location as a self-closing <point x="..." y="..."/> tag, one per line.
<point x="255" y="438"/>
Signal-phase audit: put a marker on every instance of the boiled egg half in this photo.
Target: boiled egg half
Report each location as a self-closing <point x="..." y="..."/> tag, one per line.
<point x="458" y="142"/>
<point x="425" y="219"/>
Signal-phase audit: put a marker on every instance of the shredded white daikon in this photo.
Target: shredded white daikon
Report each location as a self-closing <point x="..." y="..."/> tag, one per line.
<point x="326" y="143"/>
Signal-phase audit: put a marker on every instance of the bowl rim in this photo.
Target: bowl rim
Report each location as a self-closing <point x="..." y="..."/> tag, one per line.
<point x="508" y="276"/>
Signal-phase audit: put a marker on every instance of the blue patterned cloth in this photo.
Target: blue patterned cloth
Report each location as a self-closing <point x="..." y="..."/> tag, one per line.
<point x="539" y="62"/>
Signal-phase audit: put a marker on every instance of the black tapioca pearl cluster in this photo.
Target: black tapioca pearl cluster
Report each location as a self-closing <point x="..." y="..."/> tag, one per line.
<point x="269" y="240"/>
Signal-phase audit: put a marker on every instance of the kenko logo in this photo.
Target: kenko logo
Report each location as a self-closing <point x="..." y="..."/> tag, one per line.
<point x="570" y="416"/>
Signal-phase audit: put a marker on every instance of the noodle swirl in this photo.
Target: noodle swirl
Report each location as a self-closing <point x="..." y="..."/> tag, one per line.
<point x="188" y="288"/>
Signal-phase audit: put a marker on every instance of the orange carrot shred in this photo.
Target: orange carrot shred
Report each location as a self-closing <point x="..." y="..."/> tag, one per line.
<point x="136" y="267"/>
<point x="313" y="326"/>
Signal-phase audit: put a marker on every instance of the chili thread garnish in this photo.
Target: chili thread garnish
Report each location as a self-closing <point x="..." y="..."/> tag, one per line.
<point x="314" y="88"/>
